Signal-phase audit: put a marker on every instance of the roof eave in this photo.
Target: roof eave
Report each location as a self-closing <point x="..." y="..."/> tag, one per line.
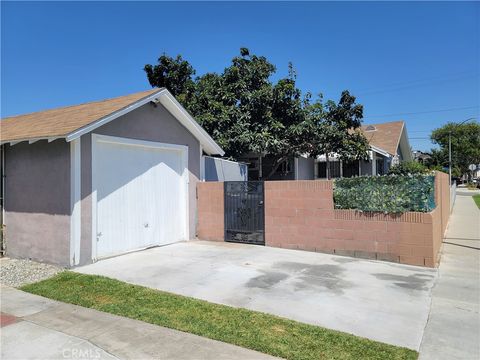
<point x="110" y="117"/>
<point x="176" y="109"/>
<point x="12" y="142"/>
<point x="380" y="151"/>
<point x="173" y="106"/>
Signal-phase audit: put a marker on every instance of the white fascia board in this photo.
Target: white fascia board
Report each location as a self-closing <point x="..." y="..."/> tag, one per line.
<point x="381" y="151"/>
<point x="173" y="106"/>
<point x="75" y="202"/>
<point x="336" y="157"/>
<point x="90" y="127"/>
<point x="331" y="157"/>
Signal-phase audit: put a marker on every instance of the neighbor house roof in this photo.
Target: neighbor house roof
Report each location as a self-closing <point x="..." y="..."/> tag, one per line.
<point x="73" y="121"/>
<point x="385" y="136"/>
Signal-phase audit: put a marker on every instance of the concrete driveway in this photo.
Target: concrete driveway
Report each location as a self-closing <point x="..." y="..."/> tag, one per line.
<point x="378" y="300"/>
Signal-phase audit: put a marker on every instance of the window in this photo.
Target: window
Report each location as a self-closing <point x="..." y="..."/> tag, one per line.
<point x="350" y="169"/>
<point x="380" y="167"/>
<point x="334" y="169"/>
<point x="285" y="167"/>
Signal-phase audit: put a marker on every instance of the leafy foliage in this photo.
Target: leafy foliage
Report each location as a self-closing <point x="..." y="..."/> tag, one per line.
<point x="407" y="168"/>
<point x="465" y="146"/>
<point x="391" y="193"/>
<point x="246" y="112"/>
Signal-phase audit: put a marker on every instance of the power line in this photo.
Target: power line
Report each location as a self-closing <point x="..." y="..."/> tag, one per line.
<point x="417" y="83"/>
<point x="427" y="112"/>
<point x="409" y="87"/>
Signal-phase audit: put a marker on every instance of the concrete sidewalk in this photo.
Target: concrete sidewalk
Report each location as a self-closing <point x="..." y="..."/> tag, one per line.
<point x="453" y="327"/>
<point x="39" y="328"/>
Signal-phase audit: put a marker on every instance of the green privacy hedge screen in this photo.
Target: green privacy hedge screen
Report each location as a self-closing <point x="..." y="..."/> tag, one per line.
<point x="388" y="194"/>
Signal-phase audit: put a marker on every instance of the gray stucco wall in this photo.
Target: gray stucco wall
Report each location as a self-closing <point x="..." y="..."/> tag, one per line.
<point x="217" y="169"/>
<point x="145" y="123"/>
<point x="306" y="168"/>
<point x="37" y="201"/>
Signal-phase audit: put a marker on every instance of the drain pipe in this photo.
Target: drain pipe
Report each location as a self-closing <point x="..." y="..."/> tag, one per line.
<point x="2" y="202"/>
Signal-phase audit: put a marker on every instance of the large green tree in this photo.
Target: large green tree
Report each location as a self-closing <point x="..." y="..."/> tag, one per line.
<point x="465" y="140"/>
<point x="246" y="112"/>
<point x="335" y="129"/>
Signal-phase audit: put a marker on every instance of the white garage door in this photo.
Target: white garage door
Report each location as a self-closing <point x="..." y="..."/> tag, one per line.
<point x="141" y="194"/>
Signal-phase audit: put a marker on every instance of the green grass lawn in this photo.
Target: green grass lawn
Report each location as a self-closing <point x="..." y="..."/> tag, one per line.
<point x="476" y="198"/>
<point x="250" y="329"/>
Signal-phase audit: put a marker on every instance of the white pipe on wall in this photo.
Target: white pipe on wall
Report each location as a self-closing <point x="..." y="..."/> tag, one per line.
<point x="2" y="149"/>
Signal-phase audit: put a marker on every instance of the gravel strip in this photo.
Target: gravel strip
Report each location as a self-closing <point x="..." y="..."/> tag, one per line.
<point x="18" y="272"/>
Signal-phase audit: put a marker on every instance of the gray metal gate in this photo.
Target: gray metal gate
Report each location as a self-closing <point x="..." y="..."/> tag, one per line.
<point x="244" y="212"/>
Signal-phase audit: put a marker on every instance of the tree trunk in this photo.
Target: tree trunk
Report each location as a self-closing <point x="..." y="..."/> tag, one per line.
<point x="260" y="168"/>
<point x="276" y="164"/>
<point x="327" y="167"/>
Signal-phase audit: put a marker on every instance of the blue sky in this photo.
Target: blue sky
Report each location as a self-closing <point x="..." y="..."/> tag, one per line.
<point x="407" y="60"/>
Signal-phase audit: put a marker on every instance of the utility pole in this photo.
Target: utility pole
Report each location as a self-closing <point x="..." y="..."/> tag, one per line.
<point x="450" y="150"/>
<point x="450" y="158"/>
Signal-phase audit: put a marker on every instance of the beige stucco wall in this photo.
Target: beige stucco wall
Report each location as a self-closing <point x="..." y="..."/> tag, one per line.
<point x="37" y="201"/>
<point x="145" y="123"/>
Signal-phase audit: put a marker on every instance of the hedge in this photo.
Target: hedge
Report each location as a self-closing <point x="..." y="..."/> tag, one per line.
<point x="389" y="193"/>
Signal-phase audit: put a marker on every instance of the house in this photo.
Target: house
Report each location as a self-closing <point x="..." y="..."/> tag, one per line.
<point x="99" y="179"/>
<point x="259" y="167"/>
<point x="388" y="145"/>
<point x="420" y="156"/>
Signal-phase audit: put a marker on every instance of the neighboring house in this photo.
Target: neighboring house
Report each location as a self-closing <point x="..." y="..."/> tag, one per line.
<point x="476" y="172"/>
<point x="420" y="156"/>
<point x="103" y="178"/>
<point x="388" y="145"/>
<point x="301" y="168"/>
<point x="217" y="169"/>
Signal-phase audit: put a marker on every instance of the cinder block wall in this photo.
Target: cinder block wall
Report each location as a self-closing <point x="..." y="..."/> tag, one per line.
<point x="301" y="215"/>
<point x="210" y="211"/>
<point x="441" y="212"/>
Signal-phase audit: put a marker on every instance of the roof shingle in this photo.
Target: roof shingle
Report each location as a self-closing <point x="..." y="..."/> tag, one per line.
<point x="62" y="121"/>
<point x="386" y="136"/>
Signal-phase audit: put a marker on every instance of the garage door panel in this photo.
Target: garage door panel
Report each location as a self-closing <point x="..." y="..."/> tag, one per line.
<point x="140" y="197"/>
